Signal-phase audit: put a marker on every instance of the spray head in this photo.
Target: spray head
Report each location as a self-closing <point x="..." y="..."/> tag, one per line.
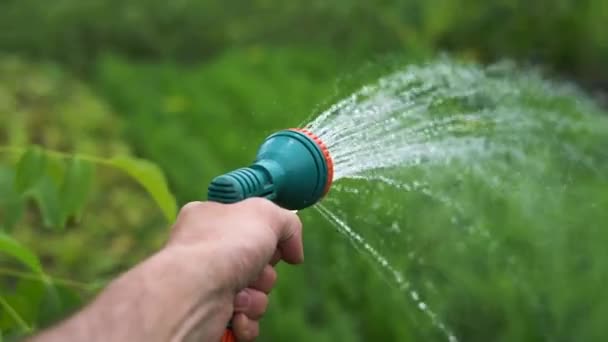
<point x="292" y="168"/>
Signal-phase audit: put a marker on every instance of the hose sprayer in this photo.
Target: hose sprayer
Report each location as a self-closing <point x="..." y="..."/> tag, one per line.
<point x="292" y="168"/>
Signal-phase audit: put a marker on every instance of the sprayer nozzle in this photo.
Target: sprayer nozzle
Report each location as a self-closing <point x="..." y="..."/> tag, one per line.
<point x="293" y="168"/>
<point x="326" y="156"/>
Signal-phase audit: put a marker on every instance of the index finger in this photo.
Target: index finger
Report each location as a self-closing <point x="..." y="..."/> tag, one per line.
<point x="290" y="238"/>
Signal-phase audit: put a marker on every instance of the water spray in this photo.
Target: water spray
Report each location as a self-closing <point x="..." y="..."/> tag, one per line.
<point x="293" y="168"/>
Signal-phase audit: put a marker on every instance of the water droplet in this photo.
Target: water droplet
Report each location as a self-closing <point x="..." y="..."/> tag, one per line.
<point x="395" y="227"/>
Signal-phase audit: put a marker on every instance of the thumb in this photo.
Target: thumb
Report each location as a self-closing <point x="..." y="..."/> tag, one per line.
<point x="287" y="228"/>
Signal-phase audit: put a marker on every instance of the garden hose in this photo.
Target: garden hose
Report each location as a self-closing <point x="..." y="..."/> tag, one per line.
<point x="292" y="168"/>
<point x="228" y="336"/>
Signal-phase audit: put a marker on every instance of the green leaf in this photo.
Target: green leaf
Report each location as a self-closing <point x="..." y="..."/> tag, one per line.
<point x="46" y="195"/>
<point x="11" y="203"/>
<point x="57" y="303"/>
<point x="55" y="168"/>
<point x="13" y="248"/>
<point x="30" y="169"/>
<point x="14" y="315"/>
<point x="151" y="177"/>
<point x="76" y="186"/>
<point x="26" y="298"/>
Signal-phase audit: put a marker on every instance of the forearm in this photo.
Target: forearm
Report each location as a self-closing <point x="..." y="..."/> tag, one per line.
<point x="163" y="299"/>
<point x="188" y="290"/>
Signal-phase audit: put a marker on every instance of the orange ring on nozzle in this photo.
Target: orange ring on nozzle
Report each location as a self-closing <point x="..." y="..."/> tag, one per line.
<point x="326" y="155"/>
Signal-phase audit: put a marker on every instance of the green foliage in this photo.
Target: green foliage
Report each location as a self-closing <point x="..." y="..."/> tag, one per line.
<point x="15" y="249"/>
<point x="152" y="179"/>
<point x="190" y="30"/>
<point x="10" y="203"/>
<point x="77" y="183"/>
<point x="60" y="190"/>
<point x="61" y="193"/>
<point x="10" y="312"/>
<point x="30" y="169"/>
<point x="41" y="187"/>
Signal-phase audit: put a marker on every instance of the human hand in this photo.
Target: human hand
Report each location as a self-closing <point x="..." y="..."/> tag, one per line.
<point x="246" y="240"/>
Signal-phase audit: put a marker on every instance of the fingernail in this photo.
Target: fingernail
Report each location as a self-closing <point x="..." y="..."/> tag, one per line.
<point x="241" y="301"/>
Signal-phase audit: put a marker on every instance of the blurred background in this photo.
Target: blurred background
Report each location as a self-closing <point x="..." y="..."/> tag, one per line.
<point x="195" y="86"/>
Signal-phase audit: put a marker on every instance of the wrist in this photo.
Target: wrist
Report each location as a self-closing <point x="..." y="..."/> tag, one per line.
<point x="186" y="294"/>
<point x="168" y="297"/>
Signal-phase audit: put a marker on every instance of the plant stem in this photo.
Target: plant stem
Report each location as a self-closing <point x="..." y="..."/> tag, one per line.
<point x="45" y="279"/>
<point x="57" y="154"/>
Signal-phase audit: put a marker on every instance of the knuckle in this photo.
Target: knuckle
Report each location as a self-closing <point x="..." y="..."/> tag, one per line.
<point x="196" y="207"/>
<point x="261" y="210"/>
<point x="190" y="208"/>
<point x="263" y="302"/>
<point x="253" y="332"/>
<point x="258" y="306"/>
<point x="297" y="223"/>
<point x="259" y="204"/>
<point x="246" y="329"/>
<point x="271" y="274"/>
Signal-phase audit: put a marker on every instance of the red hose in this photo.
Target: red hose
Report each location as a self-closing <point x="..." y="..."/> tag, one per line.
<point x="228" y="336"/>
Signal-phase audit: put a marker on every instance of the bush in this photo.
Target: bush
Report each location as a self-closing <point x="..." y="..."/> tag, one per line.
<point x="567" y="35"/>
<point x="44" y="202"/>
